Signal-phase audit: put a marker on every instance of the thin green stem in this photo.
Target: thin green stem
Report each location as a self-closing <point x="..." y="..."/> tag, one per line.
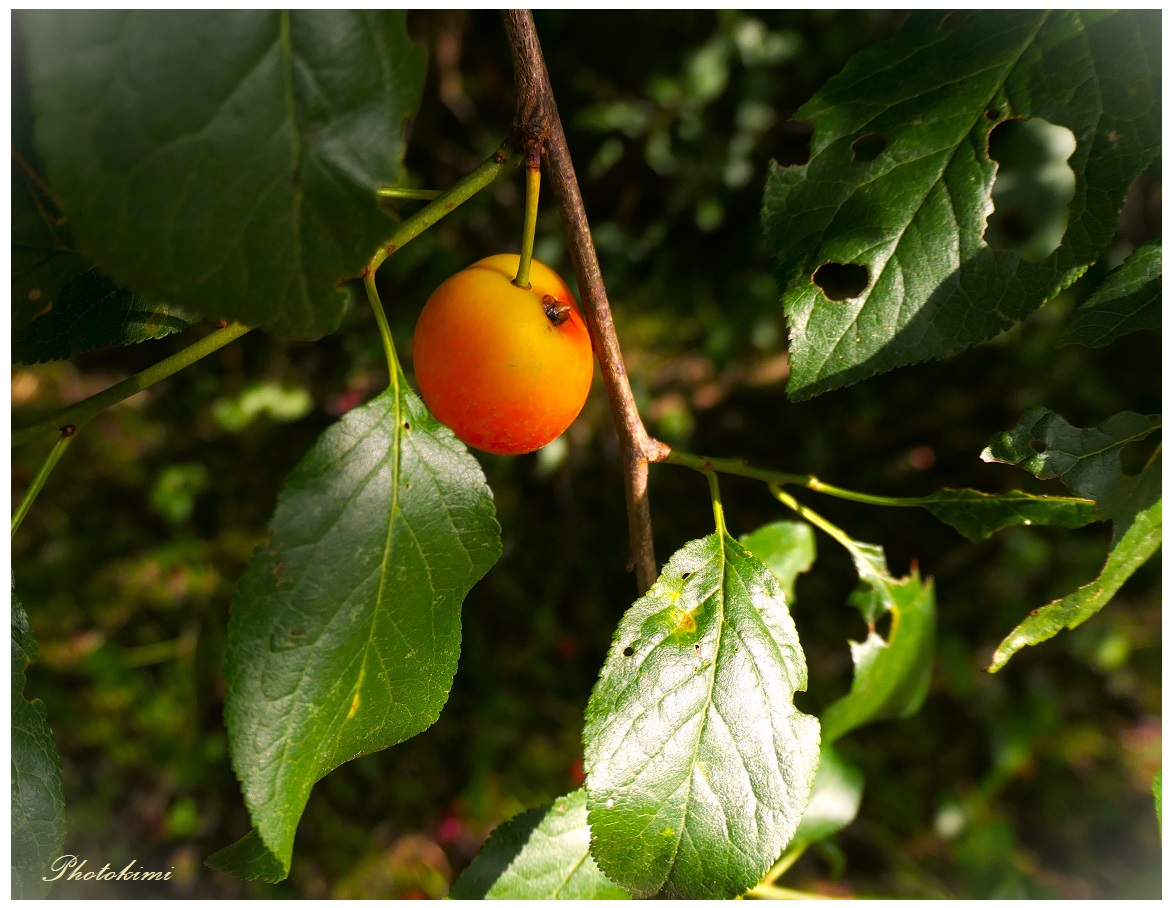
<point x="775" y="477"/>
<point x="68" y="433"/>
<point x="811" y="517"/>
<point x="83" y="411"/>
<point x="715" y="495"/>
<point x="783" y="864"/>
<point x="779" y="893"/>
<point x="381" y="321"/>
<point x="457" y="194"/>
<point x="529" y="225"/>
<point x="398" y="192"/>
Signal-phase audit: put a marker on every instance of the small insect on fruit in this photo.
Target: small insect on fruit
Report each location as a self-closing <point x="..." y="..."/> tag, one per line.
<point x="506" y="369"/>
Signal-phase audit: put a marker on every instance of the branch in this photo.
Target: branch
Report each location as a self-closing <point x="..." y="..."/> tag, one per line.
<point x="536" y="121"/>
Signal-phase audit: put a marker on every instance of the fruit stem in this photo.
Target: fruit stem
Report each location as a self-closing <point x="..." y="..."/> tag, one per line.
<point x="530" y="224"/>
<point x="68" y="433"/>
<point x="84" y="410"/>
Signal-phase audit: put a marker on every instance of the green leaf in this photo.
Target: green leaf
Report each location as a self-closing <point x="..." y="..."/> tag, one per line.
<point x="345" y="629"/>
<point x="1129" y="299"/>
<point x="38" y="803"/>
<point x="226" y="161"/>
<point x="891" y="675"/>
<point x="835" y="799"/>
<point x="914" y="215"/>
<point x="61" y="304"/>
<point x="90" y="312"/>
<point x="1137" y="534"/>
<point x="1088" y="461"/>
<point x="544" y="853"/>
<point x="698" y="765"/>
<point x="787" y="547"/>
<point x="978" y="515"/>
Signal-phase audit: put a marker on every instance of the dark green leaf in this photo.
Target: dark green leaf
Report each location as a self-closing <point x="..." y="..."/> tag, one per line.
<point x="835" y="799"/>
<point x="908" y="209"/>
<point x="89" y="312"/>
<point x="226" y="161"/>
<point x="543" y="853"/>
<point x="891" y="676"/>
<point x="698" y="765"/>
<point x="978" y="515"/>
<point x="345" y="629"/>
<point x="60" y="304"/>
<point x="787" y="547"/>
<point x="1088" y="461"/>
<point x="38" y="803"/>
<point x="1130" y="299"/>
<point x="1137" y="534"/>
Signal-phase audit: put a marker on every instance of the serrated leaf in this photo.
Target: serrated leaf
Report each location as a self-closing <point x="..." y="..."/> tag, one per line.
<point x="89" y="312"/>
<point x="787" y="547"/>
<point x="1128" y="300"/>
<point x="698" y="765"/>
<point x="345" y="629"/>
<point x="979" y="515"/>
<point x="914" y="215"/>
<point x="1137" y="534"/>
<point x="891" y="676"/>
<point x="835" y="799"/>
<point x="38" y="802"/>
<point x="1088" y="461"/>
<point x="543" y="853"/>
<point x="226" y="160"/>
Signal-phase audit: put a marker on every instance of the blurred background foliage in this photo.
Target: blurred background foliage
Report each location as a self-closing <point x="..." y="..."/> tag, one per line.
<point x="1031" y="783"/>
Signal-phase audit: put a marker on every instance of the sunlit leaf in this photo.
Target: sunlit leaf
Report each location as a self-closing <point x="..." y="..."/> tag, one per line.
<point x="543" y="853"/>
<point x="1129" y="299"/>
<point x="226" y="160"/>
<point x="699" y="767"/>
<point x="896" y="195"/>
<point x="38" y="802"/>
<point x="345" y="629"/>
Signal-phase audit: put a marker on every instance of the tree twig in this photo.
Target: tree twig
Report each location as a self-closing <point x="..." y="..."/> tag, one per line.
<point x="537" y="125"/>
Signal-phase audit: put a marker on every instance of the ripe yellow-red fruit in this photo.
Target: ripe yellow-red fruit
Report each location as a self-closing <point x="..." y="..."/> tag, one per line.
<point x="506" y="369"/>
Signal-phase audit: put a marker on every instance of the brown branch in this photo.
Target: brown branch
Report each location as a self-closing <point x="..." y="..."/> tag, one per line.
<point x="537" y="121"/>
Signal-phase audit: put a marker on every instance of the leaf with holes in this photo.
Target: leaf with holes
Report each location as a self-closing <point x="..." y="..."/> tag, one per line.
<point x="892" y="675"/>
<point x="889" y="214"/>
<point x="698" y="765"/>
<point x="1088" y="461"/>
<point x="544" y="853"/>
<point x="787" y="547"/>
<point x="1129" y="299"/>
<point x="345" y="629"/>
<point x="38" y="802"/>
<point x="979" y="515"/>
<point x="225" y="160"/>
